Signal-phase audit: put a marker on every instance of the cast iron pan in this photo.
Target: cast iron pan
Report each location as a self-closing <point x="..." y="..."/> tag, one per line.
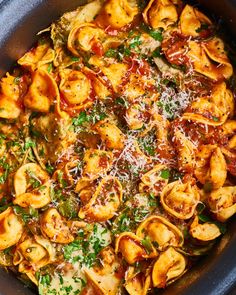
<point x="20" y="20"/>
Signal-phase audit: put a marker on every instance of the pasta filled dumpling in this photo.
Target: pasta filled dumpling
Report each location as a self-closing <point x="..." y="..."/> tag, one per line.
<point x="32" y="186"/>
<point x="104" y="202"/>
<point x="86" y="37"/>
<point x="133" y="249"/>
<point x="10" y="104"/>
<point x="40" y="57"/>
<point x="213" y="110"/>
<point x="43" y="92"/>
<point x="11" y="228"/>
<point x="75" y="86"/>
<point x="204" y="232"/>
<point x="168" y="266"/>
<point x="161" y="232"/>
<point x="96" y="163"/>
<point x="194" y="23"/>
<point x="152" y="181"/>
<point x="55" y="227"/>
<point x="137" y="283"/>
<point x="32" y="254"/>
<point x="209" y="58"/>
<point x="117" y="13"/>
<point x="186" y="152"/>
<point x="104" y="277"/>
<point x="180" y="199"/>
<point x="110" y="134"/>
<point x="222" y="202"/>
<point x="160" y="13"/>
<point x="211" y="166"/>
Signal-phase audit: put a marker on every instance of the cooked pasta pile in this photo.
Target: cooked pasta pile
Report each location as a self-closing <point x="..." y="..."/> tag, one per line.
<point x="117" y="149"/>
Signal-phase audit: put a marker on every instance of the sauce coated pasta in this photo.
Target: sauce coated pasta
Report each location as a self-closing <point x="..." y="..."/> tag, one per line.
<point x="117" y="149"/>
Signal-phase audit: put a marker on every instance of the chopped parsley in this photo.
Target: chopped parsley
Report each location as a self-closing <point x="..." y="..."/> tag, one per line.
<point x="147" y="244"/>
<point x="165" y="174"/>
<point x="80" y="120"/>
<point x="6" y="170"/>
<point x="157" y="52"/>
<point x="86" y="247"/>
<point x="50" y="66"/>
<point x="49" y="168"/>
<point x="155" y="34"/>
<point x="135" y="42"/>
<point x="26" y="213"/>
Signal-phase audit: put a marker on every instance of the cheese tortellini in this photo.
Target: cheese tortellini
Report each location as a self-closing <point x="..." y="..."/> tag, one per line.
<point x="75" y="87"/>
<point x="161" y="231"/>
<point x="32" y="254"/>
<point x="161" y="13"/>
<point x="222" y="202"/>
<point x="118" y="13"/>
<point x="180" y="199"/>
<point x="210" y="59"/>
<point x="168" y="266"/>
<point x="42" y="93"/>
<point x="10" y="104"/>
<point x="55" y="227"/>
<point x="31" y="186"/>
<point x="211" y="166"/>
<point x="104" y="202"/>
<point x="132" y="249"/>
<point x="11" y="228"/>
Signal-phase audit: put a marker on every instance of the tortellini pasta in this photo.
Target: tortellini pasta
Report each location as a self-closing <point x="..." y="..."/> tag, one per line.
<point x="152" y="181"/>
<point x="180" y="199"/>
<point x="160" y="13"/>
<point x="10" y="104"/>
<point x="40" y="57"/>
<point x="11" y="228"/>
<point x="31" y="186"/>
<point x="110" y="134"/>
<point x="186" y="152"/>
<point x="210" y="59"/>
<point x="204" y="232"/>
<point x="104" y="202"/>
<point x="115" y="73"/>
<point x="222" y="202"/>
<point x="118" y="13"/>
<point x="55" y="227"/>
<point x="192" y="21"/>
<point x="168" y="266"/>
<point x="96" y="162"/>
<point x="132" y="248"/>
<point x="42" y="93"/>
<point x="211" y="166"/>
<point x="32" y="254"/>
<point x="75" y="87"/>
<point x="86" y="37"/>
<point x="213" y="110"/>
<point x="137" y="283"/>
<point x="105" y="278"/>
<point x="161" y="231"/>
